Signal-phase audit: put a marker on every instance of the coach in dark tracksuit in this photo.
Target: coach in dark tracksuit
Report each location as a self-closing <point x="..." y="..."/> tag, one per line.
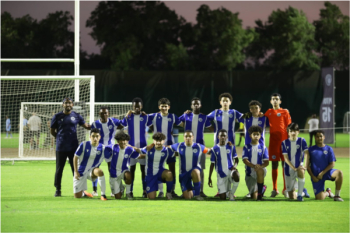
<point x="64" y="129"/>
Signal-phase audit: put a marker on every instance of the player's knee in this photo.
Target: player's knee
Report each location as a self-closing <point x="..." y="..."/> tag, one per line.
<point x="195" y="172"/>
<point x="340" y="174"/>
<point x="169" y="176"/>
<point x="99" y="172"/>
<point x="235" y="176"/>
<point x="127" y="176"/>
<point x="78" y="195"/>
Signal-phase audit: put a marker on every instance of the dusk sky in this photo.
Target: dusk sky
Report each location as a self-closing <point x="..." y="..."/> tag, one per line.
<point x="249" y="11"/>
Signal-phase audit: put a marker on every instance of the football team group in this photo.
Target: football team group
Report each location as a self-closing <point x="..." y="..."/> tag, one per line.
<point x="131" y="148"/>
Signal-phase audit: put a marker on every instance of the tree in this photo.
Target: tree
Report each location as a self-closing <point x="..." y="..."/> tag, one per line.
<point x="218" y="40"/>
<point x="286" y="40"/>
<point x="332" y="35"/>
<point x="134" y="35"/>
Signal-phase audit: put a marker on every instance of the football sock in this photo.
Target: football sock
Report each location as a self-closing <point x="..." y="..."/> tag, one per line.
<point x="337" y="193"/>
<point x="143" y="184"/>
<point x="327" y="194"/>
<point x="301" y="183"/>
<point x="160" y="187"/>
<point x="260" y="188"/>
<point x="169" y="186"/>
<point x="132" y="186"/>
<point x="284" y="180"/>
<point x="202" y="181"/>
<point x="197" y="188"/>
<point x="234" y="187"/>
<point x="94" y="184"/>
<point x="102" y="183"/>
<point x="94" y="188"/>
<point x="274" y="178"/>
<point x="173" y="188"/>
<point x="128" y="188"/>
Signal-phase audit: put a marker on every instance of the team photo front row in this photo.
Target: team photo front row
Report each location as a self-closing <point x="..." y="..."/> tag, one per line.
<point x="131" y="148"/>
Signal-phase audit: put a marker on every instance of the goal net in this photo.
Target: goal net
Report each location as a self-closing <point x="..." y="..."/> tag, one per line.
<point x="44" y="146"/>
<point x="346" y="123"/>
<point x="18" y="89"/>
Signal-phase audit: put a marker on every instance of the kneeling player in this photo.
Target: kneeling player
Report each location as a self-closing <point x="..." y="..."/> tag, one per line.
<point x="89" y="156"/>
<point x="321" y="162"/>
<point x="222" y="156"/>
<point x="119" y="166"/>
<point x="190" y="157"/>
<point x="293" y="150"/>
<point x="155" y="171"/>
<point x="256" y="159"/>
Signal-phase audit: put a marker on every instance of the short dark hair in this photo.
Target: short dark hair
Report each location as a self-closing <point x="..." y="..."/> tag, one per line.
<point x="95" y="130"/>
<point x="188" y="131"/>
<point x="66" y="99"/>
<point x="255" y="102"/>
<point x="104" y="107"/>
<point x="319" y="131"/>
<point x="159" y="136"/>
<point x="293" y="126"/>
<point x="276" y="94"/>
<point x="255" y="128"/>
<point x="163" y="101"/>
<point x="137" y="100"/>
<point x="222" y="131"/>
<point x="122" y="136"/>
<point x="195" y="98"/>
<point x="226" y="94"/>
<point x="313" y="115"/>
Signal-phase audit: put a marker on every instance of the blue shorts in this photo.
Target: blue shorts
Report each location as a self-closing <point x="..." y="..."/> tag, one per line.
<point x="319" y="186"/>
<point x="152" y="181"/>
<point x="171" y="160"/>
<point x="186" y="180"/>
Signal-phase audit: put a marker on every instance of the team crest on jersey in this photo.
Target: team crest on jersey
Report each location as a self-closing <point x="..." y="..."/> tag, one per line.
<point x="278" y="114"/>
<point x="219" y="115"/>
<point x="228" y="151"/>
<point x="110" y="127"/>
<point x="195" y="151"/>
<point x="72" y="118"/>
<point x="259" y="122"/>
<point x="61" y="119"/>
<point x="141" y="119"/>
<point x="150" y="153"/>
<point x="231" y="115"/>
<point x="325" y="152"/>
<point x="87" y="150"/>
<point x="298" y="146"/>
<point x="148" y="188"/>
<point x="163" y="154"/>
<point x="182" y="149"/>
<point x="200" y="119"/>
<point x="169" y="119"/>
<point x="115" y="153"/>
<point x="126" y="156"/>
<point x="98" y="152"/>
<point x="248" y="150"/>
<point x="259" y="150"/>
<point x="273" y="156"/>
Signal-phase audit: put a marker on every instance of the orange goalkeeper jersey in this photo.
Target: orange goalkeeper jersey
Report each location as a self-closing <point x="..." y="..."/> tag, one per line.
<point x="279" y="120"/>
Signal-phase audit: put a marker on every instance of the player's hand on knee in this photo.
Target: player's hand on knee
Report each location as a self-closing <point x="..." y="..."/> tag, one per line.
<point x="76" y="175"/>
<point x="257" y="167"/>
<point x="315" y="179"/>
<point x="320" y="176"/>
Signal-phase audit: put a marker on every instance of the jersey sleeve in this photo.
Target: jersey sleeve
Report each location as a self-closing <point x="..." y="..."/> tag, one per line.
<point x="53" y="124"/>
<point x="207" y="122"/>
<point x="267" y="122"/>
<point x="177" y="120"/>
<point x="79" y="151"/>
<point x="150" y="119"/>
<point x="81" y="120"/>
<point x="211" y="116"/>
<point x="171" y="153"/>
<point x="331" y="157"/>
<point x="116" y="122"/>
<point x="134" y="154"/>
<point x="108" y="153"/>
<point x="93" y="125"/>
<point x="174" y="146"/>
<point x="234" y="153"/>
<point x="304" y="145"/>
<point x="284" y="148"/>
<point x="124" y="122"/>
<point x="288" y="119"/>
<point x="244" y="153"/>
<point x="204" y="149"/>
<point x="266" y="154"/>
<point x="182" y="118"/>
<point x="238" y="114"/>
<point x="267" y="113"/>
<point x="144" y="150"/>
<point x="212" y="157"/>
<point x="241" y="120"/>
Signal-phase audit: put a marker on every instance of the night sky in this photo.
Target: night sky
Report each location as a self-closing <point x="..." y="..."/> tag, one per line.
<point x="249" y="11"/>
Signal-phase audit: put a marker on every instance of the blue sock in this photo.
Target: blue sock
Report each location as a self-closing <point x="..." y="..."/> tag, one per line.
<point x="144" y="184"/>
<point x="94" y="183"/>
<point x="132" y="186"/>
<point x="197" y="188"/>
<point x="169" y="186"/>
<point x="7" y="134"/>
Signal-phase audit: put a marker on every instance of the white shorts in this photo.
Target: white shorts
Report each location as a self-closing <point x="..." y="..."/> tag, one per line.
<point x="251" y="181"/>
<point x="224" y="184"/>
<point x="134" y="161"/>
<point x="81" y="184"/>
<point x="116" y="183"/>
<point x="291" y="180"/>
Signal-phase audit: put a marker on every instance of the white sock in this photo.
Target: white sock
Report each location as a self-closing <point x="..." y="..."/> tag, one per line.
<point x="160" y="187"/>
<point x="102" y="182"/>
<point x="337" y="193"/>
<point x="301" y="183"/>
<point x="128" y="187"/>
<point x="327" y="194"/>
<point x="234" y="187"/>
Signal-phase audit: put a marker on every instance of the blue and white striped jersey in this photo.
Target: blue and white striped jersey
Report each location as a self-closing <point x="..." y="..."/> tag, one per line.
<point x="196" y="123"/>
<point x="224" y="120"/>
<point x="256" y="154"/>
<point x="189" y="155"/>
<point x="165" y="125"/>
<point x="120" y="160"/>
<point x="107" y="130"/>
<point x="155" y="159"/>
<point x="223" y="157"/>
<point x="91" y="156"/>
<point x="136" y="126"/>
<point x="253" y="121"/>
<point x="295" y="151"/>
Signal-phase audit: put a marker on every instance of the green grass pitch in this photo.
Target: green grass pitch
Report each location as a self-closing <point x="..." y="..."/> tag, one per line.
<point x="28" y="205"/>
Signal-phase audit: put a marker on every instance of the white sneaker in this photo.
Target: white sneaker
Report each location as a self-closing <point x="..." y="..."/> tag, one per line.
<point x="248" y="195"/>
<point x="169" y="196"/>
<point x="112" y="195"/>
<point x="95" y="194"/>
<point x="329" y="191"/>
<point x="232" y="197"/>
<point x="274" y="193"/>
<point x="129" y="197"/>
<point x="199" y="198"/>
<point x="123" y="190"/>
<point x="286" y="194"/>
<point x="337" y="198"/>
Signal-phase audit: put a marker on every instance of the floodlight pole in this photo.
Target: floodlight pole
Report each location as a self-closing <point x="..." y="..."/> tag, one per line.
<point x="76" y="48"/>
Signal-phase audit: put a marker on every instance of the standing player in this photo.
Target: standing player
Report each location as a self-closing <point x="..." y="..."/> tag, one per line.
<point x="222" y="156"/>
<point x="320" y="168"/>
<point x="256" y="159"/>
<point x="107" y="126"/>
<point x="225" y="118"/>
<point x="119" y="166"/>
<point x="136" y="124"/>
<point x="241" y="132"/>
<point x="190" y="154"/>
<point x="155" y="171"/>
<point x="64" y="129"/>
<point x="196" y="122"/>
<point x="87" y="160"/>
<point x="313" y="125"/>
<point x="8" y="127"/>
<point x="163" y="122"/>
<point x="293" y="150"/>
<point x="279" y="119"/>
<point x="34" y="124"/>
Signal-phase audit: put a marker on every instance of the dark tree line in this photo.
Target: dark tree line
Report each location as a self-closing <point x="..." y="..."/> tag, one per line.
<point x="150" y="36"/>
